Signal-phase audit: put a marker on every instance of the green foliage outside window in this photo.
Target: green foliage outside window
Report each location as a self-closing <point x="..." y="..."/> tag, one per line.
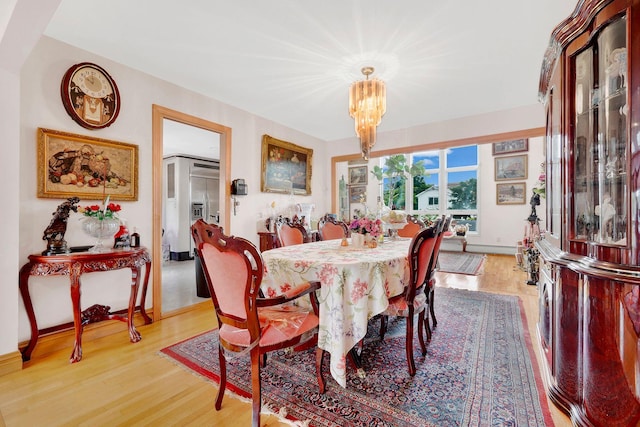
<point x="464" y="195"/>
<point x="394" y="175"/>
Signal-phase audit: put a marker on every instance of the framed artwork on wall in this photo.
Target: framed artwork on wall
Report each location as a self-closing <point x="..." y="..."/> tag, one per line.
<point x="86" y="167"/>
<point x="511" y="168"/>
<point x="511" y="193"/>
<point x="358" y="194"/>
<point x="286" y="167"/>
<point x="358" y="175"/>
<point x="508" y="147"/>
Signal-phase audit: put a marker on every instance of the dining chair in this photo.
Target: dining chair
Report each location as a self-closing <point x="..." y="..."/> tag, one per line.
<point x="414" y="299"/>
<point x="290" y="233"/>
<point x="330" y="229"/>
<point x="444" y="224"/>
<point x="233" y="268"/>
<point x="413" y="226"/>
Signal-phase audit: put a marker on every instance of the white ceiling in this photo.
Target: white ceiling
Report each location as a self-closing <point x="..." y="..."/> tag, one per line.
<point x="179" y="138"/>
<point x="292" y="61"/>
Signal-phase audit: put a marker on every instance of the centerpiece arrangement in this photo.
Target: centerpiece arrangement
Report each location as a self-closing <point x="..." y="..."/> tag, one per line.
<point x="365" y="231"/>
<point x="393" y="221"/>
<point x="100" y="222"/>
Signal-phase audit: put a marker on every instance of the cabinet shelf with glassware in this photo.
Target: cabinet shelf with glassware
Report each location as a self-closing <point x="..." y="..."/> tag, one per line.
<point x="589" y="292"/>
<point x="599" y="172"/>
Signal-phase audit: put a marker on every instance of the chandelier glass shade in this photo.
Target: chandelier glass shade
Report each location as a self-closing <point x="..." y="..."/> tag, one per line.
<point x="367" y="105"/>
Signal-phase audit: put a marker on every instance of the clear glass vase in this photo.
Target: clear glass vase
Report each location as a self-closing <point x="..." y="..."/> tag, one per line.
<point x="100" y="229"/>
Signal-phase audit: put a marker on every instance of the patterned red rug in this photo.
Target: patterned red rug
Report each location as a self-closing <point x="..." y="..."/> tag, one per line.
<point x="480" y="370"/>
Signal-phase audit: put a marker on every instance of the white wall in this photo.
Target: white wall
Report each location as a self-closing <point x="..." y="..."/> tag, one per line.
<point x="501" y="226"/>
<point x="21" y="23"/>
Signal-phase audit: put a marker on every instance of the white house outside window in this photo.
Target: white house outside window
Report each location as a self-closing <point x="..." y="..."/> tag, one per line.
<point x="450" y="186"/>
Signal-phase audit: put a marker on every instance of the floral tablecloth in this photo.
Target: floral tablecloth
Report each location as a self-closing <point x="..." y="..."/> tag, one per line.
<point x="356" y="285"/>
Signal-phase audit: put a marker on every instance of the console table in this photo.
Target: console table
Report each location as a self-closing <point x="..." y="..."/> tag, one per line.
<point x="74" y="265"/>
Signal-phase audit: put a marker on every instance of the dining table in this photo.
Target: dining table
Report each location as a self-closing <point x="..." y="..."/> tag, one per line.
<point x="356" y="284"/>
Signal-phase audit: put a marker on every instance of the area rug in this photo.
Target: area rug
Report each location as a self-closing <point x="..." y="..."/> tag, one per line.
<point x="479" y="371"/>
<point x="461" y="262"/>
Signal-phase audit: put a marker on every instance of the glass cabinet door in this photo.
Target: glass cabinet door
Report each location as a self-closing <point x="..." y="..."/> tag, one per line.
<point x="600" y="138"/>
<point x="584" y="160"/>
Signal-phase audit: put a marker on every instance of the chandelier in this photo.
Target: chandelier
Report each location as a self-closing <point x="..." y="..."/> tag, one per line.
<point x="367" y="105"/>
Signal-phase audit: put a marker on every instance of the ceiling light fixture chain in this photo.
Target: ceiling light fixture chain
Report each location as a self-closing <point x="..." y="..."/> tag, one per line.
<point x="367" y="105"/>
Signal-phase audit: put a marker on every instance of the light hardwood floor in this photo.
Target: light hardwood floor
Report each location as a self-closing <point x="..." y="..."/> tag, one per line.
<point x="118" y="383"/>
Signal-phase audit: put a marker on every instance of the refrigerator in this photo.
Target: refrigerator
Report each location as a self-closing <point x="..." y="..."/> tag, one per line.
<point x="204" y="193"/>
<point x="191" y="192"/>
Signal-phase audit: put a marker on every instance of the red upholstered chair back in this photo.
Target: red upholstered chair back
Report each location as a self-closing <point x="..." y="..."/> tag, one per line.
<point x="291" y="234"/>
<point x="233" y="269"/>
<point x="330" y="229"/>
<point x="409" y="230"/>
<point x="420" y="251"/>
<point x="445" y="223"/>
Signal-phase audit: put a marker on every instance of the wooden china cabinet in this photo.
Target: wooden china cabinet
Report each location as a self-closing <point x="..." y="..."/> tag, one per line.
<point x="589" y="287"/>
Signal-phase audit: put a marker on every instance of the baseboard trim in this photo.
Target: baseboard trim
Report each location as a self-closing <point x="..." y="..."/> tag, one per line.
<point x="485" y="249"/>
<point x="10" y="362"/>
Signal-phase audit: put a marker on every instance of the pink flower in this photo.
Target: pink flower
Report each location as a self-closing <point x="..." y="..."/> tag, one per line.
<point x="359" y="290"/>
<point x="365" y="225"/>
<point x="327" y="274"/>
<point x="284" y="288"/>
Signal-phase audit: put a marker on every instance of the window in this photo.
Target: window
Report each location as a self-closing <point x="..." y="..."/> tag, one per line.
<point x="451" y="178"/>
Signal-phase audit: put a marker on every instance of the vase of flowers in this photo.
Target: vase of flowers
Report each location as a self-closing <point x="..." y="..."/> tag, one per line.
<point x="100" y="222"/>
<point x="365" y="229"/>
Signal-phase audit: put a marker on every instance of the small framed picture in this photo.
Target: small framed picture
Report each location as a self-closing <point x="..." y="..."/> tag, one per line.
<point x="511" y="168"/>
<point x="358" y="175"/>
<point x="508" y="147"/>
<point x="512" y="193"/>
<point x="358" y="194"/>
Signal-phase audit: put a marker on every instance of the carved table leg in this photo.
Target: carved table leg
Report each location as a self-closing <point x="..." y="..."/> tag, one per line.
<point x="143" y="297"/>
<point x="25" y="272"/>
<point x="134" y="335"/>
<point x="74" y="277"/>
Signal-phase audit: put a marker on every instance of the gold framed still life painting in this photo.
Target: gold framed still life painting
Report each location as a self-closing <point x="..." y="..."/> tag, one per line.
<point x="86" y="167"/>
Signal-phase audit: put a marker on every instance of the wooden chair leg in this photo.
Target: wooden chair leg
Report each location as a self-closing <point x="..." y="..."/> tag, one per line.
<point x="431" y="307"/>
<point x="383" y="326"/>
<point x="255" y="386"/>
<point x="263" y="360"/>
<point x="321" y="382"/>
<point x="223" y="377"/>
<point x="421" y="332"/>
<point x="409" y="344"/>
<point x="427" y="326"/>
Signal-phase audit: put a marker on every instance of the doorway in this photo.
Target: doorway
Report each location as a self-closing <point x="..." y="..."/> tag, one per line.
<point x="211" y="136"/>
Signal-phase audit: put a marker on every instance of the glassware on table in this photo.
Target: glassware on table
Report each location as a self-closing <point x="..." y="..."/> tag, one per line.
<point x="393" y="228"/>
<point x="100" y="229"/>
